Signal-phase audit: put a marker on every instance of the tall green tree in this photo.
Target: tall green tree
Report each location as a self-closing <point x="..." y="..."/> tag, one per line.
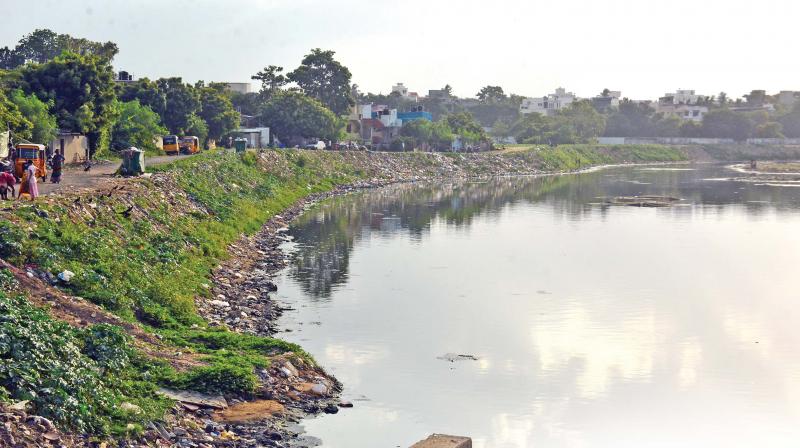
<point x="725" y="123"/>
<point x="272" y="79"/>
<point x="12" y="119"/>
<point x="491" y="94"/>
<point x="44" y="127"/>
<point x="147" y="93"/>
<point x="137" y="126"/>
<point x="322" y="77"/>
<point x="293" y="116"/>
<point x="196" y="126"/>
<point x="181" y="102"/>
<point x="217" y="110"/>
<point x="80" y="90"/>
<point x="43" y="45"/>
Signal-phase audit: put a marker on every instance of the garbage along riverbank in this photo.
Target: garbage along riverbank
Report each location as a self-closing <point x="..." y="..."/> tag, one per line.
<point x="172" y="274"/>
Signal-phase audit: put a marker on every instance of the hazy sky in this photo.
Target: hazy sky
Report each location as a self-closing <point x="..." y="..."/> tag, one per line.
<point x="642" y="47"/>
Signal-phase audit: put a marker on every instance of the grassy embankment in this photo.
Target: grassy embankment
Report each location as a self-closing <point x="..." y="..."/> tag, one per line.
<point x="144" y="250"/>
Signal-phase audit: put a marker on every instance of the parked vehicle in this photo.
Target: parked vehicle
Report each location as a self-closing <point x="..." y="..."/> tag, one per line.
<point x="36" y="154"/>
<point x="171" y="144"/>
<point x="318" y="145"/>
<point x="190" y="145"/>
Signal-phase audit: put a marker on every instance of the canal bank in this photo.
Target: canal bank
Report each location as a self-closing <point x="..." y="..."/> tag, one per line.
<point x="142" y="250"/>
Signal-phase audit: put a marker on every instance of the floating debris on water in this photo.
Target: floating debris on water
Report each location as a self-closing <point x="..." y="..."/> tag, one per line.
<point x="453" y="357"/>
<point x="642" y="201"/>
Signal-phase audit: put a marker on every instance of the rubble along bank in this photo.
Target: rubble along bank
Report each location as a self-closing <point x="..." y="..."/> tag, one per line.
<point x="143" y="249"/>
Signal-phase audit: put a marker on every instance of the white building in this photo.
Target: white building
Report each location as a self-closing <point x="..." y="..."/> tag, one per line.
<point x="256" y="137"/>
<point x="680" y="97"/>
<point x="688" y="112"/>
<point x="401" y="89"/>
<point x="240" y="87"/>
<point x="548" y="105"/>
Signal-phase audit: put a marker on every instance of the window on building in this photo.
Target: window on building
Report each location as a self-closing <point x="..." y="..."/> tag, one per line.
<point x="695" y="113"/>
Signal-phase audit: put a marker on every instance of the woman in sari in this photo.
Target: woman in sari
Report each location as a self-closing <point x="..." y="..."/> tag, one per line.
<point x="33" y="187"/>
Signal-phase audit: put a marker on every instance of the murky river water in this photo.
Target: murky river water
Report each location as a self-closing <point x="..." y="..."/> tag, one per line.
<point x="592" y="325"/>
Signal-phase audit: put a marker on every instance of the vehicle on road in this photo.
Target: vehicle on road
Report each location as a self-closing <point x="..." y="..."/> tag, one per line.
<point x="318" y="145"/>
<point x="171" y="144"/>
<point x="36" y="154"/>
<point x="190" y="145"/>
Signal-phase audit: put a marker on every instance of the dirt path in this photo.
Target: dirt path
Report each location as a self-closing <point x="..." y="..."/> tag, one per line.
<point x="74" y="177"/>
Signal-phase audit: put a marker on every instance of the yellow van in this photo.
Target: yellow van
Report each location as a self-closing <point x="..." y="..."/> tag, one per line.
<point x="190" y="145"/>
<point x="171" y="144"/>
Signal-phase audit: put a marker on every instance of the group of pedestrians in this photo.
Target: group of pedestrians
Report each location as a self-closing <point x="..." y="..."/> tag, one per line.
<point x="28" y="184"/>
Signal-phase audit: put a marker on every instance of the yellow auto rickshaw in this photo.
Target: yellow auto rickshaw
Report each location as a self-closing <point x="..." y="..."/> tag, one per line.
<point x="171" y="144"/>
<point x="190" y="144"/>
<point x="36" y="154"/>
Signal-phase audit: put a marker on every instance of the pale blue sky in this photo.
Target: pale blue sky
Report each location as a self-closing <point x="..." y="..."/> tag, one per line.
<point x="642" y="47"/>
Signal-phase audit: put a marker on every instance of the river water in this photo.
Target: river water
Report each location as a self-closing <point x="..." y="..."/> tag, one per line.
<point x="591" y="325"/>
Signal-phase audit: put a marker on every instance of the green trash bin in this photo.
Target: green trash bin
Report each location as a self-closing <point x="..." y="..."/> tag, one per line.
<point x="240" y="144"/>
<point x="132" y="162"/>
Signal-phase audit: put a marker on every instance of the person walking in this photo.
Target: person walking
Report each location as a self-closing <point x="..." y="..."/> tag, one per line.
<point x="57" y="163"/>
<point x="28" y="185"/>
<point x="7" y="182"/>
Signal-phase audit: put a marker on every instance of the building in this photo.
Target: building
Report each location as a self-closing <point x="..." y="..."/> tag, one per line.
<point x="256" y="137"/>
<point x="405" y="117"/>
<point x="123" y="77"/>
<point x="400" y="89"/>
<point x="787" y="98"/>
<point x="240" y="87"/>
<point x="689" y="112"/>
<point x="73" y="146"/>
<point x="610" y="100"/>
<point x="549" y="104"/>
<point x="680" y="97"/>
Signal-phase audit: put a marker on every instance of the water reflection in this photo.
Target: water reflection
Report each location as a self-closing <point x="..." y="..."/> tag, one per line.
<point x="594" y="325"/>
<point x="328" y="233"/>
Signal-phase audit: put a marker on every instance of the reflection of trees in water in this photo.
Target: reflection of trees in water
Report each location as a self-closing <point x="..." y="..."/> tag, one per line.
<point x="328" y="232"/>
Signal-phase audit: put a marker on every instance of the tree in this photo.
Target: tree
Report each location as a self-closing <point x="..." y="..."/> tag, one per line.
<point x="137" y="126"/>
<point x="725" y="123"/>
<point x="464" y="125"/>
<point x="756" y="98"/>
<point x="790" y="122"/>
<point x="321" y="77"/>
<point x="491" y="94"/>
<point x="669" y="126"/>
<point x="147" y="93"/>
<point x="181" y="101"/>
<point x="44" y="127"/>
<point x="196" y="126"/>
<point x="632" y="119"/>
<point x="293" y="116"/>
<point x="448" y="90"/>
<point x="271" y="80"/>
<point x="501" y="130"/>
<point x="722" y="98"/>
<point x="420" y="131"/>
<point x="43" y="45"/>
<point x="770" y="129"/>
<point x="11" y="118"/>
<point x="217" y="111"/>
<point x="584" y="120"/>
<point x="80" y="90"/>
